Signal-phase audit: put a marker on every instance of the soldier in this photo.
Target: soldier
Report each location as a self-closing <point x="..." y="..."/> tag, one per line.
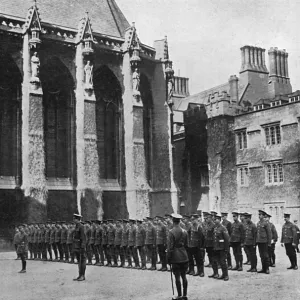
<point x="169" y="221"/>
<point x="263" y="241"/>
<point x="196" y="246"/>
<point x="52" y="240"/>
<point x="161" y="242"/>
<point x="117" y="242"/>
<point x="105" y="239"/>
<point x="94" y="250"/>
<point x="88" y="233"/>
<point x="227" y="224"/>
<point x="79" y="247"/>
<point x="243" y="221"/>
<point x="140" y="244"/>
<point x="98" y="250"/>
<point x="209" y="233"/>
<point x="150" y="243"/>
<point x="47" y="241"/>
<point x="22" y="246"/>
<point x="70" y="238"/>
<point x="63" y="242"/>
<point x="289" y="239"/>
<point x="221" y="247"/>
<point x="177" y="255"/>
<point x="39" y="241"/>
<point x="250" y="241"/>
<point x="132" y="252"/>
<point x="213" y="215"/>
<point x="274" y="239"/>
<point x="110" y="242"/>
<point x="298" y="235"/>
<point x="29" y="237"/>
<point x="17" y="231"/>
<point x="237" y="241"/>
<point x="124" y="245"/>
<point x="35" y="241"/>
<point x="57" y="240"/>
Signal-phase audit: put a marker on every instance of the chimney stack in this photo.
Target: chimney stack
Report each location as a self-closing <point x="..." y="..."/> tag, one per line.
<point x="253" y="59"/>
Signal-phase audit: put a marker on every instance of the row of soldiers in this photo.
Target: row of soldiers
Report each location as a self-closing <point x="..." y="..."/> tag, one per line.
<point x="140" y="240"/>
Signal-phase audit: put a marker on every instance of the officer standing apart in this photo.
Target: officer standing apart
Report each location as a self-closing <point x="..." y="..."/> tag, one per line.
<point x="21" y="241"/>
<point x="79" y="246"/>
<point x="263" y="241"/>
<point x="288" y="239"/>
<point x="177" y="255"/>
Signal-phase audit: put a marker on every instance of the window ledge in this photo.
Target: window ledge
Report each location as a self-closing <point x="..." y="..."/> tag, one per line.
<point x="59" y="184"/>
<point x="7" y="182"/>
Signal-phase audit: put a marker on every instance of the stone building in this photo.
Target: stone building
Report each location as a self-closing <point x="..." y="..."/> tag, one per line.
<point x="242" y="141"/>
<point x="85" y="114"/>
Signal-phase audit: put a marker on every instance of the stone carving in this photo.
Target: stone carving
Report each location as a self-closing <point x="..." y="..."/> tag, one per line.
<point x="35" y="68"/>
<point x="136" y="82"/>
<point x="88" y="70"/>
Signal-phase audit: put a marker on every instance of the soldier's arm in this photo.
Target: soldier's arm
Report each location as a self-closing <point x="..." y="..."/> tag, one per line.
<point x="226" y="239"/>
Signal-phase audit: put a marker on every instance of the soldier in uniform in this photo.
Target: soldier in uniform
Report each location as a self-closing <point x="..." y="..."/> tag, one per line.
<point x="220" y="249"/>
<point x="237" y="241"/>
<point x="124" y="252"/>
<point x="89" y="241"/>
<point x="98" y="250"/>
<point x="70" y="237"/>
<point x="209" y="233"/>
<point x="117" y="242"/>
<point x="79" y="247"/>
<point x="177" y="255"/>
<point x="132" y="253"/>
<point x="110" y="242"/>
<point x="274" y="239"/>
<point x="57" y="241"/>
<point x="227" y="224"/>
<point x="63" y="242"/>
<point x="140" y="244"/>
<point x="52" y="240"/>
<point x="35" y="241"/>
<point x="161" y="242"/>
<point x="47" y="241"/>
<point x="150" y="243"/>
<point x="21" y="241"/>
<point x="39" y="242"/>
<point x="105" y="240"/>
<point x="250" y="241"/>
<point x="298" y="235"/>
<point x="288" y="240"/>
<point x="29" y="237"/>
<point x="196" y="247"/>
<point x="263" y="241"/>
<point x="243" y="221"/>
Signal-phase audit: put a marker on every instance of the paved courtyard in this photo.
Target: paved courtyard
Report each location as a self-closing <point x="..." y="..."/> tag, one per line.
<point x="53" y="280"/>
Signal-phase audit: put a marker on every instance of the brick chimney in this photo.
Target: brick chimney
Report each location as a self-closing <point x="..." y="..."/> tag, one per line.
<point x="279" y="81"/>
<point x="253" y="59"/>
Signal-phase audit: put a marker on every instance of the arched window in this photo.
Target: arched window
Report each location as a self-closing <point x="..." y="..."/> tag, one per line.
<point x="146" y="95"/>
<point x="59" y="124"/>
<point x="10" y="117"/>
<point x="108" y="122"/>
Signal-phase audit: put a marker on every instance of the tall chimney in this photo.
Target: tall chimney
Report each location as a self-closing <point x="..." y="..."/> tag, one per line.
<point x="278" y="63"/>
<point x="233" y="89"/>
<point x="264" y="60"/>
<point x="253" y="59"/>
<point x="259" y="59"/>
<point x="282" y="63"/>
<point x="272" y="62"/>
<point x="286" y="66"/>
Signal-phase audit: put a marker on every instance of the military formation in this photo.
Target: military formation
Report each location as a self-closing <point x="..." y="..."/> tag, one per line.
<point x="133" y="243"/>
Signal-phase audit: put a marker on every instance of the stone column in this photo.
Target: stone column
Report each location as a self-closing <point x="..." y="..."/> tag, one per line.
<point x="89" y="194"/>
<point x="33" y="155"/>
<point x="137" y="188"/>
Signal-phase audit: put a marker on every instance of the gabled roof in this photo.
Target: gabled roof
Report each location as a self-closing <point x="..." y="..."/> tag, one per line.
<point x="105" y="15"/>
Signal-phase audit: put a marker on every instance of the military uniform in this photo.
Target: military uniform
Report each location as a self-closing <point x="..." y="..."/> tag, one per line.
<point x="99" y="254"/>
<point x="110" y="243"/>
<point x="105" y="241"/>
<point x="196" y="245"/>
<point x="57" y="242"/>
<point x="227" y="224"/>
<point x="250" y="244"/>
<point x="220" y="249"/>
<point x="70" y="237"/>
<point x="271" y="249"/>
<point x="79" y="247"/>
<point x="124" y="245"/>
<point x="237" y="238"/>
<point x="117" y="244"/>
<point x="209" y="246"/>
<point x="21" y="240"/>
<point x="47" y="243"/>
<point x="140" y="245"/>
<point x="35" y="242"/>
<point x="88" y="233"/>
<point x="289" y="239"/>
<point x="263" y="240"/>
<point x="150" y="243"/>
<point x="30" y="238"/>
<point x="131" y="244"/>
<point x="63" y="241"/>
<point x="161" y="242"/>
<point x="52" y="241"/>
<point x="298" y="237"/>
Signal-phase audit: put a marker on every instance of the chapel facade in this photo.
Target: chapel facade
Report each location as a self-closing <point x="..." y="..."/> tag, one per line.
<point x="85" y="116"/>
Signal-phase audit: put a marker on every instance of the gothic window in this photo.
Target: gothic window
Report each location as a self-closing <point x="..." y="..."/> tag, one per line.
<point x="108" y="123"/>
<point x="10" y="117"/>
<point x="242" y="139"/>
<point x="243" y="176"/>
<point x="274" y="173"/>
<point x="273" y="135"/>
<point x="146" y="95"/>
<point x="59" y="123"/>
